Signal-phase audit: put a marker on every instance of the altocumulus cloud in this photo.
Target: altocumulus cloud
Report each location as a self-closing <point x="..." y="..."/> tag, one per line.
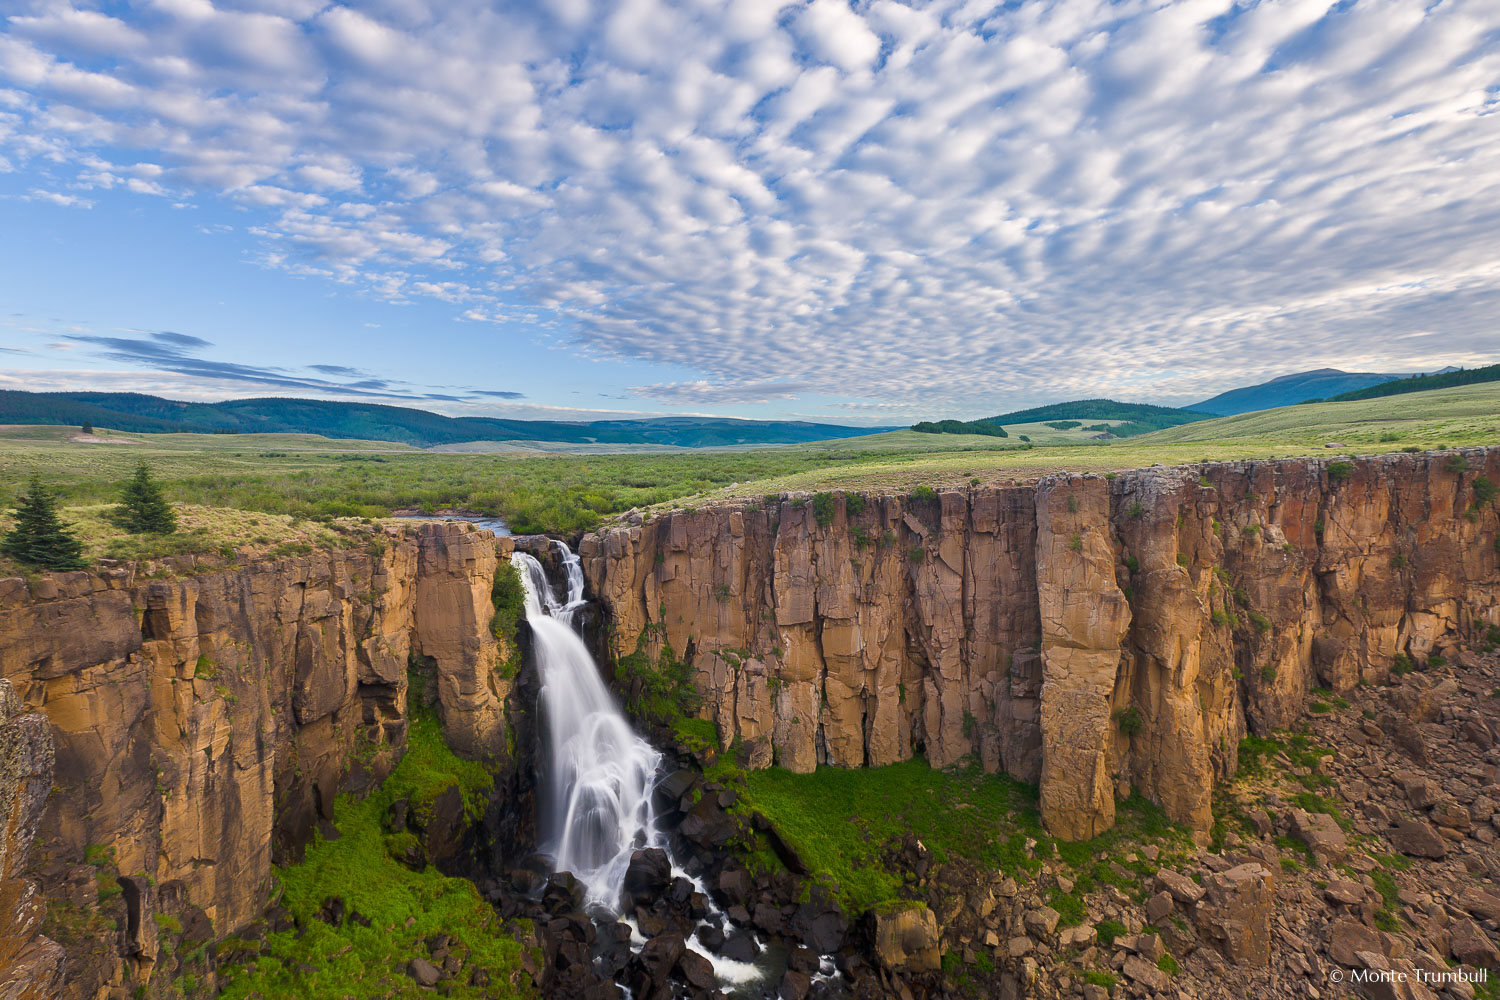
<point x="946" y="201"/>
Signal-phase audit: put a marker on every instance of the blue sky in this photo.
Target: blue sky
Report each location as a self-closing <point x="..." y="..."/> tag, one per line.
<point x="865" y="212"/>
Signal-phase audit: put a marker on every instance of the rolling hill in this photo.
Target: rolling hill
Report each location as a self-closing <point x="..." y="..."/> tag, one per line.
<point x="1445" y="379"/>
<point x="1137" y="418"/>
<point x="1299" y="387"/>
<point x="140" y="413"/>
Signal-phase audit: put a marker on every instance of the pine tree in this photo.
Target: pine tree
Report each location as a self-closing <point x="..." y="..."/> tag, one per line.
<point x="142" y="508"/>
<point x="39" y="537"/>
<point x="87" y="428"/>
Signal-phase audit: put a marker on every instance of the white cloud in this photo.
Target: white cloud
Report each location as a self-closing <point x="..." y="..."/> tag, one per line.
<point x="936" y="205"/>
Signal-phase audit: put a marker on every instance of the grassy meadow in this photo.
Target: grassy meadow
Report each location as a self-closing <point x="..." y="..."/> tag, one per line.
<point x="261" y="491"/>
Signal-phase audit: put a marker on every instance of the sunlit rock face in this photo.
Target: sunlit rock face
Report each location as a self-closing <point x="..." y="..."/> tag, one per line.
<point x="204" y="721"/>
<point x="1089" y="634"/>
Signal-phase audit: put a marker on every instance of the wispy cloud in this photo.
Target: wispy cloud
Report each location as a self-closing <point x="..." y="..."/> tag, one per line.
<point x="180" y="353"/>
<point x="943" y="204"/>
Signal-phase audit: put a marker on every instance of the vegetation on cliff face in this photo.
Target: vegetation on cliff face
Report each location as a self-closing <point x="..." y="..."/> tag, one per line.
<point x="508" y="597"/>
<point x="657" y="689"/>
<point x="404" y="908"/>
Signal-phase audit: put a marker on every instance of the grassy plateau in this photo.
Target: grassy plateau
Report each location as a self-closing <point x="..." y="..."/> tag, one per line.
<point x="261" y="491"/>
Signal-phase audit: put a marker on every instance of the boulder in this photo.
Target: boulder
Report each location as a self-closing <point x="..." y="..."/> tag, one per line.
<point x="907" y="938"/>
<point x="1417" y="838"/>
<point x="1041" y="922"/>
<point x="1322" y="835"/>
<point x="1145" y="973"/>
<point x="1182" y="888"/>
<point x="1349" y="937"/>
<point x="1235" y="913"/>
<point x="696" y="971"/>
<point x="1469" y="944"/>
<point x="424" y="972"/>
<point x="647" y="878"/>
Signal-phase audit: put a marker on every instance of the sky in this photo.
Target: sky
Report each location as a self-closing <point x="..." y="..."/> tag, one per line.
<point x="858" y="212"/>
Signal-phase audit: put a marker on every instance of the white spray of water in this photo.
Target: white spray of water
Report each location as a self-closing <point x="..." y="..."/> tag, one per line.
<point x="599" y="809"/>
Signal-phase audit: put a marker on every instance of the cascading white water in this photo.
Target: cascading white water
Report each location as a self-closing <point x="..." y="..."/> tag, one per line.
<point x="598" y="807"/>
<point x="601" y="775"/>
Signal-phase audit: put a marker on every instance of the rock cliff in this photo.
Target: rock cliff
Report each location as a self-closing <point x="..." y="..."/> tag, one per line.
<point x="205" y="721"/>
<point x="1090" y="634"/>
<point x="31" y="965"/>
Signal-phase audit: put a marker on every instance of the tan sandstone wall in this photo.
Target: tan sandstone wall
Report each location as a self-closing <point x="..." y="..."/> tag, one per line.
<point x="205" y="721"/>
<point x="1086" y="633"/>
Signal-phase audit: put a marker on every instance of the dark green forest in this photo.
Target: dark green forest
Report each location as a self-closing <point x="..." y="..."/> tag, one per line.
<point x="984" y="427"/>
<point x="1142" y="418"/>
<point x="1421" y="383"/>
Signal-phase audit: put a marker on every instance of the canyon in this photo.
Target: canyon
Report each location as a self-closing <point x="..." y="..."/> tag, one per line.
<point x="205" y="720"/>
<point x="1089" y="635"/>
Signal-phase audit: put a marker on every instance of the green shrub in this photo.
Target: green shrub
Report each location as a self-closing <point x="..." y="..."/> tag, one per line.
<point x="1168" y="964"/>
<point x="508" y="598"/>
<point x="1260" y="622"/>
<point x="1457" y="463"/>
<point x="854" y="504"/>
<point x="1485" y="490"/>
<point x="924" y="494"/>
<point x="1075" y="543"/>
<point x="823" y="508"/>
<point x="1129" y="720"/>
<point x="1340" y="471"/>
<point x="1136" y="510"/>
<point x="657" y="692"/>
<point x="916" y="553"/>
<point x="1108" y="930"/>
<point x="1401" y="665"/>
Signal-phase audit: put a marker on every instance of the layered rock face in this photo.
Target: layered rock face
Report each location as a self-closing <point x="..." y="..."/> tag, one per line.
<point x="204" y="723"/>
<point x="31" y="966"/>
<point x="1090" y="634"/>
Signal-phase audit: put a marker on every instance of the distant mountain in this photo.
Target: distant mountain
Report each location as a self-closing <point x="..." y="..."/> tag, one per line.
<point x="142" y="414"/>
<point x="1321" y="383"/>
<point x="1445" y="379"/>
<point x="1141" y="418"/>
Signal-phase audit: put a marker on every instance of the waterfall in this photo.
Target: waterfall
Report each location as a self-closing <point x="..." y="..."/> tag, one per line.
<point x="601" y="773"/>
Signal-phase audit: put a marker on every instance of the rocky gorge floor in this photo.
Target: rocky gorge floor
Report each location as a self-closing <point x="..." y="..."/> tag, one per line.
<point x="1354" y="856"/>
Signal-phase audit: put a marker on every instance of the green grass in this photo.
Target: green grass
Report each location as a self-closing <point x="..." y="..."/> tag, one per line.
<point x="304" y="476"/>
<point x="404" y="906"/>
<point x="843" y="822"/>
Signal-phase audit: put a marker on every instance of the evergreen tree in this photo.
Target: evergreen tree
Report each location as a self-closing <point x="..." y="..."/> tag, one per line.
<point x="142" y="507"/>
<point x="39" y="537"/>
<point x="88" y="428"/>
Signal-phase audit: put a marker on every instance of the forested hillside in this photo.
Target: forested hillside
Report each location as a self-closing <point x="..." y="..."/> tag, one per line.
<point x="140" y="413"/>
